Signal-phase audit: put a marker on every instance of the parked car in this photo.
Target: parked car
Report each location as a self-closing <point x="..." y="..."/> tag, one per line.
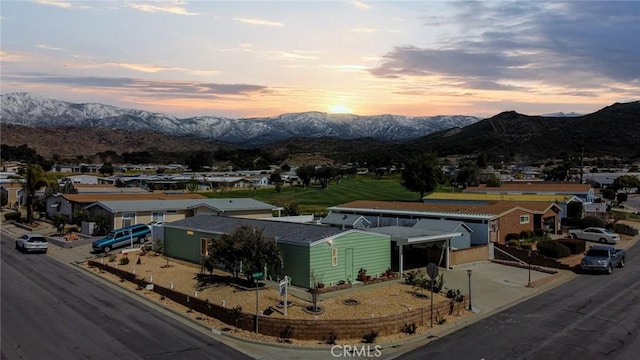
<point x="123" y="237"/>
<point x="600" y="235"/>
<point x="32" y="243"/>
<point x="603" y="258"/>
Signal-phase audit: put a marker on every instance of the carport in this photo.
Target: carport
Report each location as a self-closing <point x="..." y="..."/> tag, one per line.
<point x="404" y="236"/>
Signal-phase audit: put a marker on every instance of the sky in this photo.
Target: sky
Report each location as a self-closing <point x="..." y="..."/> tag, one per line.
<point x="243" y="59"/>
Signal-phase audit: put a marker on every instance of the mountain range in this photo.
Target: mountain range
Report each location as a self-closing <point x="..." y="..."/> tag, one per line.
<point x="35" y="111"/>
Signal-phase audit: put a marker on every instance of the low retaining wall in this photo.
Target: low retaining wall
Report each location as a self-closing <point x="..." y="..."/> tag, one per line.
<point x="472" y="254"/>
<point x="301" y="329"/>
<point x="535" y="259"/>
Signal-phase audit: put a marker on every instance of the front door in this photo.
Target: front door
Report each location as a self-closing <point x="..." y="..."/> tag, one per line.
<point x="348" y="264"/>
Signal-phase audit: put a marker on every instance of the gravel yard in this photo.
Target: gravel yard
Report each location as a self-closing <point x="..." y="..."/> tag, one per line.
<point x="370" y="301"/>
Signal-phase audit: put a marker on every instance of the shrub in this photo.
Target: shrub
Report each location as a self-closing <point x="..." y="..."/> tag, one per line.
<point x="591" y="221"/>
<point x="370" y="338"/>
<point x="526" y="234"/>
<point x="438" y="283"/>
<point x="139" y="261"/>
<point x="576" y="246"/>
<point x="409" y="328"/>
<point x="12" y="216"/>
<point x="514" y="242"/>
<point x="539" y="233"/>
<point x="625" y="229"/>
<point x="553" y="249"/>
<point x="112" y="257"/>
<point x="331" y="338"/>
<point x="527" y="246"/>
<point x="286" y="333"/>
<point x="512" y="236"/>
<point x="124" y="260"/>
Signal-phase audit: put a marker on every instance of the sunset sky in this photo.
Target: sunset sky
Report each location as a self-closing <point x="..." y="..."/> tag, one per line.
<point x="264" y="58"/>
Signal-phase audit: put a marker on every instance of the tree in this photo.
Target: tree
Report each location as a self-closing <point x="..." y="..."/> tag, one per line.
<point x="626" y="183"/>
<point x="107" y="169"/>
<point x="325" y="174"/>
<point x="306" y="173"/>
<point x="34" y="178"/>
<point x="468" y="175"/>
<point x="59" y="221"/>
<point x="422" y="174"/>
<point x="248" y="246"/>
<point x="198" y="160"/>
<point x="276" y="179"/>
<point x="608" y="194"/>
<point x="622" y="197"/>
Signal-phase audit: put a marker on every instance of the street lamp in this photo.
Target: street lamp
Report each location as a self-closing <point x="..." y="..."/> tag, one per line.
<point x="469" y="274"/>
<point x="529" y="283"/>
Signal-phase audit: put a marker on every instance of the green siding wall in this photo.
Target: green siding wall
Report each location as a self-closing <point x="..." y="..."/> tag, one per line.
<point x="369" y="251"/>
<point x="295" y="261"/>
<point x="180" y="245"/>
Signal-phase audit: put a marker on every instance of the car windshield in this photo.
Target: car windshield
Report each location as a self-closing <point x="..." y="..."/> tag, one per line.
<point x="608" y="231"/>
<point x="111" y="235"/>
<point x="598" y="253"/>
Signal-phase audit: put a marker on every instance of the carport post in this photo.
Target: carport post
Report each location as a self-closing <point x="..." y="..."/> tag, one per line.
<point x="400" y="258"/>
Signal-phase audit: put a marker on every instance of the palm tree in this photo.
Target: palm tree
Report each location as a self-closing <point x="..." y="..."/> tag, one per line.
<point x="34" y="178"/>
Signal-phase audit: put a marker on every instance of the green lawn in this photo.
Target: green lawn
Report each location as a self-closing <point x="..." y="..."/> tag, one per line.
<point x="316" y="200"/>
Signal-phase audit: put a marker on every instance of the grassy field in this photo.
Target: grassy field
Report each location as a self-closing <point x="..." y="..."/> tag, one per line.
<point x="316" y="200"/>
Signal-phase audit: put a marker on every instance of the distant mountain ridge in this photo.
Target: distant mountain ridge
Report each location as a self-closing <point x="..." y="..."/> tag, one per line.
<point x="35" y="111"/>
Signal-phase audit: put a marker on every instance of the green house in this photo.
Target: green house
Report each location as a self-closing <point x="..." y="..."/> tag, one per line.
<point x="309" y="252"/>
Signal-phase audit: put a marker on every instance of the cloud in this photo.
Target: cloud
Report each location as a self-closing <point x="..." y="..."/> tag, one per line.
<point x="171" y="7"/>
<point x="256" y="21"/>
<point x="360" y="5"/>
<point x="510" y="45"/>
<point x="346" y="67"/>
<point x="365" y="30"/>
<point x="47" y="47"/>
<point x="150" y="88"/>
<point x="293" y="55"/>
<point x="62" y="4"/>
<point x="7" y="56"/>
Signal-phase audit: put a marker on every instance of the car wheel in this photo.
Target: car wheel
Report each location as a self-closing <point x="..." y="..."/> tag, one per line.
<point x="609" y="270"/>
<point x="142" y="239"/>
<point x="17" y="245"/>
<point x="603" y="241"/>
<point x="621" y="263"/>
<point x="107" y="249"/>
<point x="574" y="236"/>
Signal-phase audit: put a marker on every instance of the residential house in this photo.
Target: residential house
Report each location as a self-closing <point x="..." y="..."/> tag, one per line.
<point x="346" y="221"/>
<point x="583" y="191"/>
<point x="68" y="204"/>
<point x="478" y="198"/>
<point x="128" y="212"/>
<point x="490" y="222"/>
<point x="309" y="252"/>
<point x="13" y="193"/>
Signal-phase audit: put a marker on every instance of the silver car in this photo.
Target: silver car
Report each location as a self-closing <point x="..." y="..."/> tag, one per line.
<point x="32" y="243"/>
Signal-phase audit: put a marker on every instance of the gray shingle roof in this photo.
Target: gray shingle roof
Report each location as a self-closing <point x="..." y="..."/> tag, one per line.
<point x="222" y="205"/>
<point x="343" y="219"/>
<point x="292" y="233"/>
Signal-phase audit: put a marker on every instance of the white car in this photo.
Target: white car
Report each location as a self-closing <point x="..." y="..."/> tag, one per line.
<point x="600" y="235"/>
<point x="32" y="243"/>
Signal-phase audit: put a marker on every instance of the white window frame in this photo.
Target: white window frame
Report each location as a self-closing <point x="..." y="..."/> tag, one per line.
<point x="128" y="216"/>
<point x="334" y="256"/>
<point x="524" y="219"/>
<point x="157" y="216"/>
<point x="204" y="245"/>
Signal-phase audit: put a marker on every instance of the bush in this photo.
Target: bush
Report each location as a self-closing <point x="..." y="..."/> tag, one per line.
<point x="370" y="338"/>
<point x="15" y="216"/>
<point x="591" y="221"/>
<point x="576" y="246"/>
<point x="331" y="338"/>
<point x="124" y="260"/>
<point x="512" y="236"/>
<point x="625" y="229"/>
<point x="514" y="242"/>
<point x="553" y="249"/>
<point x="409" y="328"/>
<point x="526" y="234"/>
<point x="527" y="246"/>
<point x="539" y="233"/>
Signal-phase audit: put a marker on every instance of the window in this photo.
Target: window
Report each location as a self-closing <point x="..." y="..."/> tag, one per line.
<point x="524" y="219"/>
<point x="204" y="246"/>
<point x="157" y="217"/>
<point x="128" y="219"/>
<point x="334" y="257"/>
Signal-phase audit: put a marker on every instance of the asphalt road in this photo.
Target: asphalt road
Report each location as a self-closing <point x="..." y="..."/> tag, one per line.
<point x="50" y="311"/>
<point x="591" y="317"/>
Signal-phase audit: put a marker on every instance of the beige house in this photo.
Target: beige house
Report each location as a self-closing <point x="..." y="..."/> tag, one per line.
<point x="128" y="212"/>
